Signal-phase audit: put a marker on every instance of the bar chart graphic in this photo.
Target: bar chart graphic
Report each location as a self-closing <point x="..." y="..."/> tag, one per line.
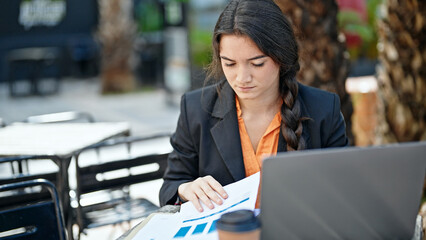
<point x="196" y="230"/>
<point x="213" y="227"/>
<point x="182" y="232"/>
<point x="199" y="225"/>
<point x="199" y="229"/>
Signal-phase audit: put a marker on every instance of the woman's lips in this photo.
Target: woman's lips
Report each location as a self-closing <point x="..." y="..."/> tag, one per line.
<point x="245" y="89"/>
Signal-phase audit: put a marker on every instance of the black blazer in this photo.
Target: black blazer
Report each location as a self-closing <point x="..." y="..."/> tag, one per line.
<point x="207" y="138"/>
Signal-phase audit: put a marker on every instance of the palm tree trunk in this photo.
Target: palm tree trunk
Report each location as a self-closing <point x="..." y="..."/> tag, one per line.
<point x="402" y="74"/>
<point x="116" y="34"/>
<point x="323" y="58"/>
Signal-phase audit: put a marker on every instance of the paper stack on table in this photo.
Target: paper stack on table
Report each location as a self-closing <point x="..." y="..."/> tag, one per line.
<point x="191" y="224"/>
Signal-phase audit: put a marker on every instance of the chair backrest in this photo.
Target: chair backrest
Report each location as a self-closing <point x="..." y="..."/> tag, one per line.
<point x="112" y="167"/>
<point x="17" y="173"/>
<point x="40" y="220"/>
<point x="88" y="179"/>
<point x="89" y="182"/>
<point x="70" y="116"/>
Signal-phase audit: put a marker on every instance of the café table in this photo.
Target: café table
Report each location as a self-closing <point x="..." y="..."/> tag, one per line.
<point x="59" y="141"/>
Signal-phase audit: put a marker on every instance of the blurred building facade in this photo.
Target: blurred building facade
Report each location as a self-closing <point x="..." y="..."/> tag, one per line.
<point x="171" y="33"/>
<point x="63" y="24"/>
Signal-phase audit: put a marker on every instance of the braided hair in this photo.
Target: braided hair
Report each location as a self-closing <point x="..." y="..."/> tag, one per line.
<point x="263" y="22"/>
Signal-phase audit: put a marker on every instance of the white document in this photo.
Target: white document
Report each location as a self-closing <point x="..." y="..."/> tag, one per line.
<point x="159" y="227"/>
<point x="191" y="224"/>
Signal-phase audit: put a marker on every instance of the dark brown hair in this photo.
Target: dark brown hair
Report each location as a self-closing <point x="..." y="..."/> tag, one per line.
<point x="263" y="22"/>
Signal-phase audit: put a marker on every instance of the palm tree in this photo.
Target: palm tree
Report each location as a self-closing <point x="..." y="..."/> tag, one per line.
<point x="116" y="34"/>
<point x="402" y="74"/>
<point x="324" y="60"/>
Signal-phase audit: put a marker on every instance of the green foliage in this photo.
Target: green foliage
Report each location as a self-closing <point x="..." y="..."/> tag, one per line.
<point x="372" y="6"/>
<point x="365" y="32"/>
<point x="149" y="17"/>
<point x="350" y="22"/>
<point x="345" y="17"/>
<point x="200" y="46"/>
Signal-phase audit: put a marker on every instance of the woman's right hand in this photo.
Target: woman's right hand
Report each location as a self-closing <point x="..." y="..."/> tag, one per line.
<point x="206" y="189"/>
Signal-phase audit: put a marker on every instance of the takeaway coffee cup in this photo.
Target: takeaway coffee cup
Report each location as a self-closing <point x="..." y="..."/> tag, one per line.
<point x="238" y="225"/>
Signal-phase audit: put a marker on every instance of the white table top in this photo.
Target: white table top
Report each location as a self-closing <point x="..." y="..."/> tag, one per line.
<point x="59" y="139"/>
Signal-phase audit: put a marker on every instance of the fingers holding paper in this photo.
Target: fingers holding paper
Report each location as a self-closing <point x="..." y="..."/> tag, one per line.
<point x="205" y="189"/>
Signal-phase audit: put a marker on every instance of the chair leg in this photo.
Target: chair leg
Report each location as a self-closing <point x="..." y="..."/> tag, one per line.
<point x="69" y="229"/>
<point x="11" y="81"/>
<point x="35" y="78"/>
<point x="20" y="168"/>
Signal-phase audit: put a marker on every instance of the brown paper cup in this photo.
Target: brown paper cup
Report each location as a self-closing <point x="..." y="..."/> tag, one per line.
<point x="241" y="224"/>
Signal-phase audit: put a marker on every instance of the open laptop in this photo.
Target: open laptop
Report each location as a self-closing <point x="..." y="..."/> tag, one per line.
<point x="343" y="193"/>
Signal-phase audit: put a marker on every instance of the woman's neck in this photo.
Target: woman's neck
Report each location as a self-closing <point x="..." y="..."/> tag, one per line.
<point x="266" y="106"/>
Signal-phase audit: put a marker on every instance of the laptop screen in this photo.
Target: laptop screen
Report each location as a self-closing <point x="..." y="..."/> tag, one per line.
<point x="345" y="193"/>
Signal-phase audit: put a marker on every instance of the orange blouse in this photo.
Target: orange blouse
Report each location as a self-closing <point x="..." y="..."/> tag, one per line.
<point x="267" y="146"/>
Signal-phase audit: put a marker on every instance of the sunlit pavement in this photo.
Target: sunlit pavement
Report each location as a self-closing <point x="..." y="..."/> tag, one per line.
<point x="147" y="111"/>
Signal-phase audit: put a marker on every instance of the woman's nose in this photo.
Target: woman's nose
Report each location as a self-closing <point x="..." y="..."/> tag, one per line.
<point x="243" y="75"/>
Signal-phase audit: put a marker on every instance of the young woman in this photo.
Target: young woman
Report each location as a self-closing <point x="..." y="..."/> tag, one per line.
<point x="256" y="108"/>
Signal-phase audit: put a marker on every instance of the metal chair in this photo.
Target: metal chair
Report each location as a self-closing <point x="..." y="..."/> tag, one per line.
<point x="114" y="177"/>
<point x="70" y="116"/>
<point x="31" y="65"/>
<point x="13" y="171"/>
<point x="2" y="123"/>
<point x="33" y="220"/>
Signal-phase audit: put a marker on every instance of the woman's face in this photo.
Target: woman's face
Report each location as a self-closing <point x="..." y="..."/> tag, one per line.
<point x="252" y="74"/>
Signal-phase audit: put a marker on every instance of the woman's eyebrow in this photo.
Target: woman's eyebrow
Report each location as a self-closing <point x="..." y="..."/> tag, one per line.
<point x="257" y="57"/>
<point x="250" y="59"/>
<point x="223" y="57"/>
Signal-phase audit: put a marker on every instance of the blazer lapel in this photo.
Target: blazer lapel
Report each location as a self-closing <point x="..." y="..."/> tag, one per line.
<point x="226" y="134"/>
<point x="282" y="143"/>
